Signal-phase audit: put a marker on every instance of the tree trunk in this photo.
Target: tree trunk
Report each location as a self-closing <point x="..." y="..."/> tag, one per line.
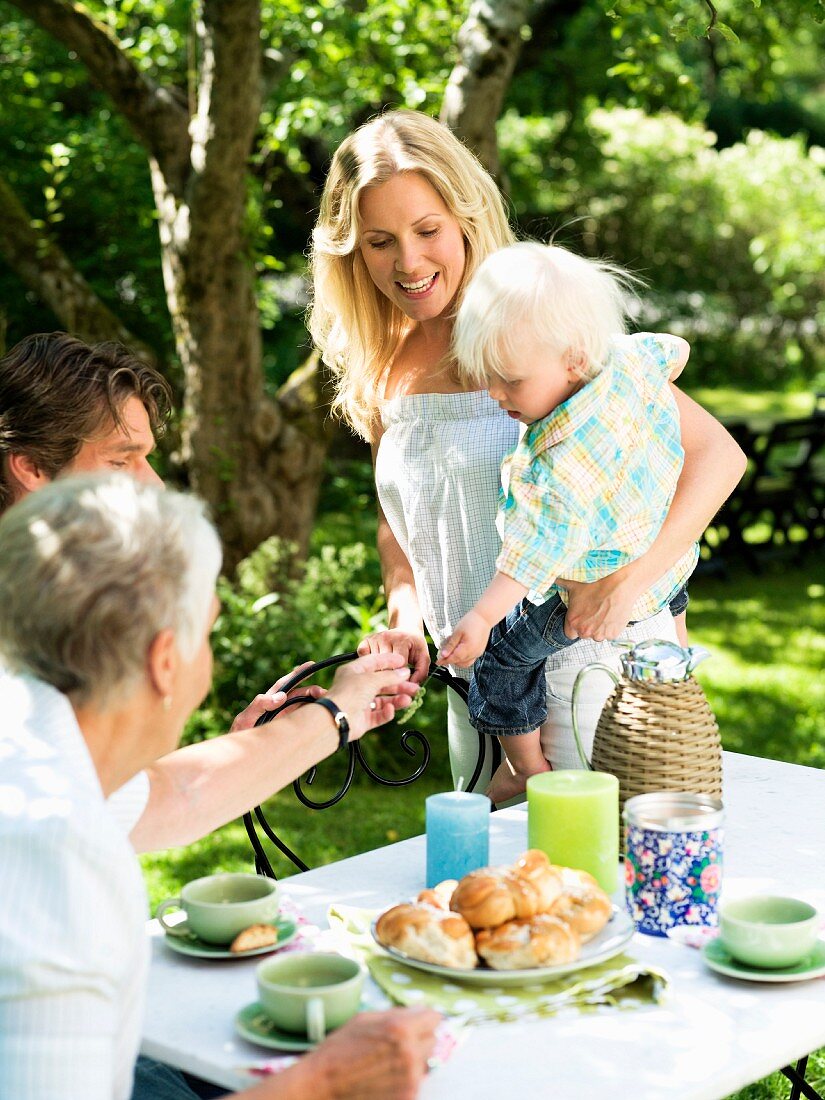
<point x="258" y="464"/>
<point x="489" y="42"/>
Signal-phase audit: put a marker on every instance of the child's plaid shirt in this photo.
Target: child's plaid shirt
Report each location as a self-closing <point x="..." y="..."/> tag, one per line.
<point x="588" y="487"/>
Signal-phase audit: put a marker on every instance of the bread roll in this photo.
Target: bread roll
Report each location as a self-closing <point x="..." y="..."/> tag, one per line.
<point x="439" y="896"/>
<point x="492" y="895"/>
<point x="587" y="909"/>
<point x="520" y="944"/>
<point x="572" y="878"/>
<point x="429" y="934"/>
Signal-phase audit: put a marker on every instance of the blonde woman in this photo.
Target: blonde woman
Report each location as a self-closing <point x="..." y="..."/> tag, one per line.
<point x="407" y="216"/>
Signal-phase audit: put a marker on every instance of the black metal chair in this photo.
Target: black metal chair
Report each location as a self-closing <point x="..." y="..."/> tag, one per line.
<point x="785" y="486"/>
<point x="412" y="742"/>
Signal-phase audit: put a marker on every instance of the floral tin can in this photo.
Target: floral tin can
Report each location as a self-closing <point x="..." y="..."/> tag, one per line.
<point x="673" y="860"/>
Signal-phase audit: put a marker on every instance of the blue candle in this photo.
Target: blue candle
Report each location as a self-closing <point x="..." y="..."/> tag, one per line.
<point x="458" y="834"/>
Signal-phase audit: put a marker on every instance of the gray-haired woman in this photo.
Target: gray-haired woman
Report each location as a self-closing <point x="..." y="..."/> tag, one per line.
<point x="106" y="604"/>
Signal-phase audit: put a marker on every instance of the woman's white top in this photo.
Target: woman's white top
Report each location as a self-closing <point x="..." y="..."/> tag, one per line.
<point x="73" y="947"/>
<point x="437" y="473"/>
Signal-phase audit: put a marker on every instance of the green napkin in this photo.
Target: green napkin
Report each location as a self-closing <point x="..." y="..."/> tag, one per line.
<point x="621" y="982"/>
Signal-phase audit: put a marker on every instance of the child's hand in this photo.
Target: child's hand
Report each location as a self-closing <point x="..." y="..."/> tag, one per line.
<point x="467" y="642"/>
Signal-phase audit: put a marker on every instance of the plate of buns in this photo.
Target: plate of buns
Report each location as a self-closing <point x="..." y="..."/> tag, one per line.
<point x="531" y="921"/>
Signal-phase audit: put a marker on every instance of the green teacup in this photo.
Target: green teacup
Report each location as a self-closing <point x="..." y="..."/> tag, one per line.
<point x="768" y="932"/>
<point x="218" y="907"/>
<point x="310" y="993"/>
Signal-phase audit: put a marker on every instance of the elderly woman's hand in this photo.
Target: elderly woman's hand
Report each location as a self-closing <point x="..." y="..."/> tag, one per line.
<point x="371" y="689"/>
<point x="273" y="698"/>
<point x="411" y="645"/>
<point x="375" y="1056"/>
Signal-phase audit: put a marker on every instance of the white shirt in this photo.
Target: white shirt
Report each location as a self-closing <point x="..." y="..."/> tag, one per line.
<point x="437" y="474"/>
<point x="126" y="805"/>
<point x="73" y="950"/>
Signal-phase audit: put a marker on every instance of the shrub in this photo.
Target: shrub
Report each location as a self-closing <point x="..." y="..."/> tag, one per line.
<point x="730" y="240"/>
<point x="272" y="620"/>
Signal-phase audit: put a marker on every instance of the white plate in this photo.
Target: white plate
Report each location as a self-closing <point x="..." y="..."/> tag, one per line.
<point x="609" y="942"/>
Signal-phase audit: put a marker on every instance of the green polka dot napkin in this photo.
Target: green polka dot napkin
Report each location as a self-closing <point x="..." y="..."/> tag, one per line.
<point x="621" y="982"/>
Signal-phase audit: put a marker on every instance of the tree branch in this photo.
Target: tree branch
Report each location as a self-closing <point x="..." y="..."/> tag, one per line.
<point x="157" y="116"/>
<point x="45" y="269"/>
<point x="223" y="129"/>
<point x="489" y="42"/>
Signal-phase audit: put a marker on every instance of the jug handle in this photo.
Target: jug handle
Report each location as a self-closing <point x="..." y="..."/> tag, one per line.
<point x="574" y="704"/>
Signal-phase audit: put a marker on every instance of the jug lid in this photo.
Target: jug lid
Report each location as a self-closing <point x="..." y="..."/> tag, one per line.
<point x="660" y="660"/>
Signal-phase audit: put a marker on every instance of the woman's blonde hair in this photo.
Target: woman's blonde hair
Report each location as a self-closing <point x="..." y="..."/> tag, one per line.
<point x="357" y="328"/>
<point x="564" y="301"/>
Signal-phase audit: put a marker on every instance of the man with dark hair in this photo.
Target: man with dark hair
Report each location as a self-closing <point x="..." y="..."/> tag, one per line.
<point x="67" y="406"/>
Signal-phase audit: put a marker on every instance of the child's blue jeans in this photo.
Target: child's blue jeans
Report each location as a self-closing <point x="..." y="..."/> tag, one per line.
<point x="508" y="694"/>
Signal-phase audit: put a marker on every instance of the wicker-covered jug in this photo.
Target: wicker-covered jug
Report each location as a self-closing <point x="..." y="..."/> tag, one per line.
<point x="656" y="731"/>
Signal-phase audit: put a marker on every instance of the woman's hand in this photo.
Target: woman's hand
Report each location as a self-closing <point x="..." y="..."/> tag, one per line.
<point x="371" y="689"/>
<point x="272" y="699"/>
<point x="410" y="644"/>
<point x="601" y="609"/>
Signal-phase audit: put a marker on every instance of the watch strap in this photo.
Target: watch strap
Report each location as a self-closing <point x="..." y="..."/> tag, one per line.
<point x="338" y="716"/>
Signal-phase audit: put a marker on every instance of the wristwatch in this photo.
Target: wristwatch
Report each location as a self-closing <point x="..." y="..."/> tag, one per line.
<point x="339" y="718"/>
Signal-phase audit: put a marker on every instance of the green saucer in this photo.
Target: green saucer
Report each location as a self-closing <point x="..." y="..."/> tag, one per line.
<point x="255" y="1026"/>
<point x="190" y="944"/>
<point x="812" y="966"/>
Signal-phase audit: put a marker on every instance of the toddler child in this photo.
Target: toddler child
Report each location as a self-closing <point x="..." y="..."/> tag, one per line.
<point x="588" y="486"/>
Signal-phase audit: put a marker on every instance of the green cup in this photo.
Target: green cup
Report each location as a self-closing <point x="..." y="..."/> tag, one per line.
<point x="768" y="932"/>
<point x="218" y="907"/>
<point x="310" y="993"/>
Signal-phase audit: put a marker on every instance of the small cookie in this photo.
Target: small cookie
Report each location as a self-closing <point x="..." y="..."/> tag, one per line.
<point x="257" y="935"/>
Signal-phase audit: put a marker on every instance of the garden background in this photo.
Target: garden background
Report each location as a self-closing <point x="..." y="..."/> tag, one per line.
<point x="160" y="169"/>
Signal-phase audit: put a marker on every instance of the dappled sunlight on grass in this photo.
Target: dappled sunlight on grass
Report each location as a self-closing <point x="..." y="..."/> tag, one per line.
<point x="764" y="682"/>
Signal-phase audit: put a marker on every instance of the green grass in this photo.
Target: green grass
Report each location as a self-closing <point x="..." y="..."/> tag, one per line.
<point x="760" y="406"/>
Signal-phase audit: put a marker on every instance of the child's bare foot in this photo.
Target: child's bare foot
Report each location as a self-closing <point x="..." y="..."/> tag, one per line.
<point x="506" y="782"/>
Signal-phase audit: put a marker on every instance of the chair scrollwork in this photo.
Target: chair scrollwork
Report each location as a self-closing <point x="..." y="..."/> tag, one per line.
<point x="412" y="742"/>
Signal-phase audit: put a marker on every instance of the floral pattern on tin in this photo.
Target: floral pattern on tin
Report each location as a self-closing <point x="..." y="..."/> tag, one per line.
<point x="672" y="878"/>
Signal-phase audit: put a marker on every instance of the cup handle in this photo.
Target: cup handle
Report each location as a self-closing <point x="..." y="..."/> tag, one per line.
<point x="316" y="1022"/>
<point x="172" y="929"/>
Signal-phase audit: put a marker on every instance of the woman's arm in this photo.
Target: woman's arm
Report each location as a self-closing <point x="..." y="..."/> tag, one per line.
<point x="198" y="788"/>
<point x="406" y="626"/>
<point x="714" y="465"/>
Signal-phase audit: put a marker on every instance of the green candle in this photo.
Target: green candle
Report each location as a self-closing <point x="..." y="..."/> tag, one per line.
<point x="573" y="816"/>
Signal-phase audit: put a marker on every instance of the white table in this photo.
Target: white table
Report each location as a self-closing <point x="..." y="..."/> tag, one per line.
<point x="712" y="1036"/>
